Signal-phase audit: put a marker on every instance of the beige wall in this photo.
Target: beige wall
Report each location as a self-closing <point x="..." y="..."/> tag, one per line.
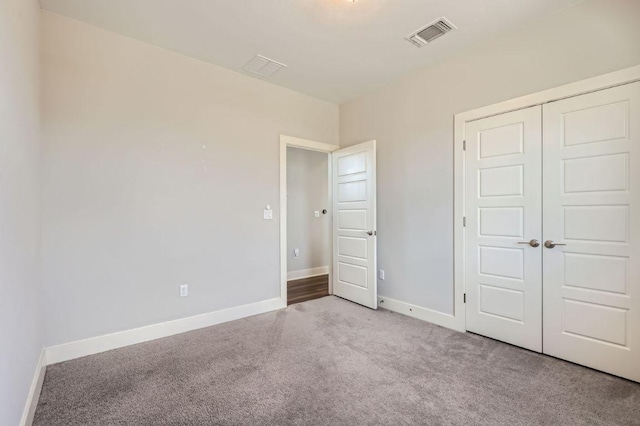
<point x="413" y="124"/>
<point x="20" y="325"/>
<point x="307" y="192"/>
<point x="157" y="168"/>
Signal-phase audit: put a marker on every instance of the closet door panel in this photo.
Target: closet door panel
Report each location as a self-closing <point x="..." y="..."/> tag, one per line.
<point x="503" y="214"/>
<point x="591" y="202"/>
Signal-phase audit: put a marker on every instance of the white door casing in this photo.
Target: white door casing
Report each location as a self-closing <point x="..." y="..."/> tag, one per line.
<point x="591" y="204"/>
<point x="354" y="225"/>
<point x="503" y="277"/>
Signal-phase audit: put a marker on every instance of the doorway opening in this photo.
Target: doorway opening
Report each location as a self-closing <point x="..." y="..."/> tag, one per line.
<point x="306" y="249"/>
<point x="308" y="225"/>
<point x="351" y="218"/>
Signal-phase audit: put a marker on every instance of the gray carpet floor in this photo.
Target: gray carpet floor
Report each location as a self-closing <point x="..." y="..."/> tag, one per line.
<point x="330" y="362"/>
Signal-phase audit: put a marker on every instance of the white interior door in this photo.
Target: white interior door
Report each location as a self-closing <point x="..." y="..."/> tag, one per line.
<point x="592" y="204"/>
<point x="354" y="225"/>
<point x="503" y="260"/>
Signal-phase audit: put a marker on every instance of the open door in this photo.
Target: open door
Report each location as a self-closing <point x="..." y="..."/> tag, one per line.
<point x="354" y="224"/>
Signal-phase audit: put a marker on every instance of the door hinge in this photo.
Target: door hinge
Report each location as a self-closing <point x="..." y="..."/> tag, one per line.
<point x="464" y="145"/>
<point x="464" y="298"/>
<point x="464" y="221"/>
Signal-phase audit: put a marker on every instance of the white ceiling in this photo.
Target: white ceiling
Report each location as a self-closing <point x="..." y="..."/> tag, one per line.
<point x="334" y="49"/>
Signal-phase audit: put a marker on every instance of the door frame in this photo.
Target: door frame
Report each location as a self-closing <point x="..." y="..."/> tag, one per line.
<point x="606" y="81"/>
<point x="293" y="142"/>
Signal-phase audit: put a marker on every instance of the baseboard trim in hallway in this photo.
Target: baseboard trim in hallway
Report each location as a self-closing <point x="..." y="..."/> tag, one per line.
<point x="107" y="342"/>
<point x="306" y="273"/>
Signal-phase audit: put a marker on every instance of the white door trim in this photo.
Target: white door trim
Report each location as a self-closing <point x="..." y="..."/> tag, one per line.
<point x="602" y="82"/>
<point x="286" y="141"/>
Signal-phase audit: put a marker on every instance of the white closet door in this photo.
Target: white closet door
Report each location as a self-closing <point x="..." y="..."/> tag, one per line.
<point x="592" y="204"/>
<point x="503" y="221"/>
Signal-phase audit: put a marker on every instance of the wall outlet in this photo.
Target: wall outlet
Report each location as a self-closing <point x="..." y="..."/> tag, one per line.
<point x="296" y="253"/>
<point x="316" y="213"/>
<point x="184" y="290"/>
<point x="381" y="274"/>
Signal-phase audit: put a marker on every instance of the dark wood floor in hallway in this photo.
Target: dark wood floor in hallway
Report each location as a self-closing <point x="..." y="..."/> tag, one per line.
<point x="307" y="289"/>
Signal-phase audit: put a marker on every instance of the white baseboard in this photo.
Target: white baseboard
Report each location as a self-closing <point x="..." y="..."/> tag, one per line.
<point x="424" y="314"/>
<point x="306" y="273"/>
<point x="94" y="345"/>
<point x="34" y="391"/>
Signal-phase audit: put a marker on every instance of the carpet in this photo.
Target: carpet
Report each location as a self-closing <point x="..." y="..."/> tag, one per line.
<point x="330" y="362"/>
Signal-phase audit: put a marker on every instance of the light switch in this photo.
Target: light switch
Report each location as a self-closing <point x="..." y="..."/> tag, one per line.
<point x="268" y="213"/>
<point x="316" y="213"/>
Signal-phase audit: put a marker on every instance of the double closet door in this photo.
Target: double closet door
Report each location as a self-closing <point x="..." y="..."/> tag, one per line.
<point x="552" y="236"/>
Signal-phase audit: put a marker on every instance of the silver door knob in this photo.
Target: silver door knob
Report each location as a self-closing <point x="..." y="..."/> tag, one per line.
<point x="532" y="243"/>
<point x="550" y="244"/>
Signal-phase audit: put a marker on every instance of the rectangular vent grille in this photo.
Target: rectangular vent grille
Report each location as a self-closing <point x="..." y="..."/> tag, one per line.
<point x="431" y="32"/>
<point x="262" y="66"/>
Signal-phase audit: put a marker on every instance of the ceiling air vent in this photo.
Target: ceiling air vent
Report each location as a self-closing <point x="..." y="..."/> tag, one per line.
<point x="431" y="32"/>
<point x="262" y="66"/>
